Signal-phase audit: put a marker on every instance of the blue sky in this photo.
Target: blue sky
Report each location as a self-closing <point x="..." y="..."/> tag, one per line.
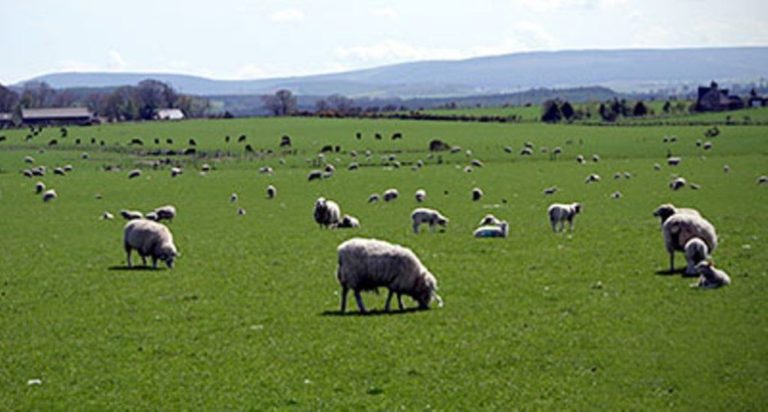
<point x="229" y="39"/>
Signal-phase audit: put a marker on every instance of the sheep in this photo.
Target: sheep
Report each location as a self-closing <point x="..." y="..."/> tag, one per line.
<point x="665" y="211"/>
<point x="682" y="227"/>
<point x="710" y="276"/>
<point x="367" y="264"/>
<point x="151" y="216"/>
<point x="39" y="187"/>
<point x="526" y="151"/>
<point x="477" y="194"/>
<point x="477" y="163"/>
<point x="271" y="192"/>
<point x="240" y="211"/>
<point x="134" y="173"/>
<point x="580" y="159"/>
<point x="500" y="230"/>
<point x="233" y="197"/>
<point x="656" y="166"/>
<point x="29" y="159"/>
<point x="329" y="168"/>
<point x="285" y="141"/>
<point x="429" y="216"/>
<point x="677" y="183"/>
<point x="627" y="175"/>
<point x="167" y="212"/>
<point x="550" y="190"/>
<point x="348" y="222"/>
<point x="762" y="180"/>
<point x="508" y="149"/>
<point x="59" y="171"/>
<point x="455" y="149"/>
<point x="131" y="214"/>
<point x="391" y="194"/>
<point x="107" y="216"/>
<point x="616" y="195"/>
<point x="707" y="146"/>
<point x="489" y="220"/>
<point x="593" y="178"/>
<point x="468" y="169"/>
<point x="617" y="176"/>
<point x="314" y="175"/>
<point x="27" y="173"/>
<point x="695" y="250"/>
<point x="695" y="186"/>
<point x="205" y="167"/>
<point x="595" y="158"/>
<point x="557" y="151"/>
<point x="149" y="239"/>
<point x="420" y="195"/>
<point x="353" y="166"/>
<point x="674" y="160"/>
<point x="326" y="212"/>
<point x="176" y="171"/>
<point x="373" y="198"/>
<point x="266" y="170"/>
<point x="49" y="195"/>
<point x="68" y="168"/>
<point x="726" y="168"/>
<point x="560" y="213"/>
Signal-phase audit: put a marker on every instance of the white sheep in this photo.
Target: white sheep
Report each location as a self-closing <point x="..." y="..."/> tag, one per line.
<point x="674" y="160"/>
<point x="373" y="198"/>
<point x="420" y="195"/>
<point x="665" y="211"/>
<point x="468" y="169"/>
<point x="233" y="197"/>
<point x="68" y="168"/>
<point x="682" y="227"/>
<point x="49" y="195"/>
<point x="176" y="171"/>
<point x="134" y="173"/>
<point x="266" y="170"/>
<point x="677" y="183"/>
<point x="167" y="212"/>
<point x="593" y="178"/>
<point x="59" y="171"/>
<point x="107" y="216"/>
<point x="29" y="159"/>
<point x="149" y="239"/>
<point x="205" y="167"/>
<point x="762" y="180"/>
<point x="580" y="159"/>
<point x="710" y="276"/>
<point x="550" y="191"/>
<point x="39" y="187"/>
<point x="595" y="158"/>
<point x="84" y="155"/>
<point x="477" y="163"/>
<point x="560" y="213"/>
<point x="656" y="166"/>
<point x="271" y="192"/>
<point x="326" y="212"/>
<point x="500" y="230"/>
<point x="152" y="216"/>
<point x="526" y="151"/>
<point x="391" y="194"/>
<point x="707" y="145"/>
<point x="616" y="195"/>
<point x="240" y="211"/>
<point x="429" y="216"/>
<point x="489" y="220"/>
<point x="477" y="194"/>
<point x="367" y="264"/>
<point x="726" y="168"/>
<point x="131" y="214"/>
<point x="348" y="222"/>
<point x="353" y="166"/>
<point x="314" y="175"/>
<point x="695" y="250"/>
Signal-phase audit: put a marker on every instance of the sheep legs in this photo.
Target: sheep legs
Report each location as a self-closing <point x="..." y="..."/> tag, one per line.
<point x="359" y="300"/>
<point x="671" y="262"/>
<point x="128" y="255"/>
<point x="344" y="291"/>
<point x="399" y="301"/>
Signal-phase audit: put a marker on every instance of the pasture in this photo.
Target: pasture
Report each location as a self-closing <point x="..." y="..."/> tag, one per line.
<point x="248" y="318"/>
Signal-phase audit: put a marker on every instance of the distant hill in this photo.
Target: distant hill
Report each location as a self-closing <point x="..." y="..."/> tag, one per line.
<point x="624" y="70"/>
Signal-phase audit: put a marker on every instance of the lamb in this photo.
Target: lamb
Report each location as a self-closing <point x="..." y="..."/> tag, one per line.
<point x="39" y="187"/>
<point x="665" y="211"/>
<point x="49" y="195"/>
<point x="695" y="250"/>
<point x="326" y="212"/>
<point x="429" y="216"/>
<point x="367" y="264"/>
<point x="477" y="194"/>
<point x="149" y="239"/>
<point x="391" y="194"/>
<point x="420" y="195"/>
<point x="166" y="212"/>
<point x="500" y="230"/>
<point x="107" y="216"/>
<point x="682" y="227"/>
<point x="348" y="222"/>
<point x="134" y="173"/>
<point x="710" y="276"/>
<point x="271" y="192"/>
<point x="490" y="220"/>
<point x="560" y="213"/>
<point x="677" y="183"/>
<point x="131" y="214"/>
<point x="593" y="178"/>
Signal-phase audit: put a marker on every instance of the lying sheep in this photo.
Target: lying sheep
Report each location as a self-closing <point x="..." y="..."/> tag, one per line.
<point x="762" y="180"/>
<point x="326" y="212"/>
<point x="134" y="173"/>
<point x="489" y="220"/>
<point x="695" y="250"/>
<point x="391" y="194"/>
<point x="39" y="187"/>
<point x="674" y="160"/>
<point x="131" y="214"/>
<point x="429" y="216"/>
<point x="665" y="211"/>
<point x="373" y="198"/>
<point x="367" y="264"/>
<point x="149" y="239"/>
<point x="500" y="230"/>
<point x="560" y="213"/>
<point x="348" y="222"/>
<point x="271" y="192"/>
<point x="682" y="227"/>
<point x="420" y="195"/>
<point x="233" y="197"/>
<point x="176" y="171"/>
<point x="167" y="212"/>
<point x="593" y="178"/>
<point x="107" y="216"/>
<point x="550" y="191"/>
<point x="677" y="183"/>
<point x="240" y="211"/>
<point x="616" y="195"/>
<point x="49" y="195"/>
<point x="580" y="159"/>
<point x="710" y="276"/>
<point x="315" y="175"/>
<point x="477" y="194"/>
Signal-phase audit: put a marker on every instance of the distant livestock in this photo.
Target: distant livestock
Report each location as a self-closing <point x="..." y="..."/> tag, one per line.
<point x="271" y="192"/>
<point x="149" y="239"/>
<point x="682" y="227"/>
<point x="348" y="222"/>
<point x="49" y="195"/>
<point x="131" y="214"/>
<point x="501" y="230"/>
<point x="134" y="173"/>
<point x="391" y="194"/>
<point x="420" y="195"/>
<point x="710" y="276"/>
<point x="429" y="216"/>
<point x="326" y="213"/>
<point x="560" y="213"/>
<point x="477" y="194"/>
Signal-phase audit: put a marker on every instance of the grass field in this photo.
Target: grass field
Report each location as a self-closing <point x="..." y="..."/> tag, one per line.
<point x="248" y="318"/>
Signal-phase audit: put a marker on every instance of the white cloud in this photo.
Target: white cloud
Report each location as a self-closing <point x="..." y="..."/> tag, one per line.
<point x="287" y="16"/>
<point x="394" y="50"/>
<point x="386" y="12"/>
<point x="525" y="36"/>
<point x="116" y="61"/>
<point x="544" y="6"/>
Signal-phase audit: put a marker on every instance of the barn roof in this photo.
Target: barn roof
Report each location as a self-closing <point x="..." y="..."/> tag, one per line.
<point x="56" y="113"/>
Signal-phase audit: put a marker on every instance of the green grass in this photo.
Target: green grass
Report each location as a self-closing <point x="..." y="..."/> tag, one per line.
<point x="248" y="317"/>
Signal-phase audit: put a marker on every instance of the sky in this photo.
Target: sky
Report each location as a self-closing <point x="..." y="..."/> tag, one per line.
<point x="231" y="39"/>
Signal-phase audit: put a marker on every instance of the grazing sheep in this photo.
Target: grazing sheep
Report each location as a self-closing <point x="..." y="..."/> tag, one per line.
<point x="271" y="192"/>
<point x="707" y="145"/>
<point x="420" y="195"/>
<point x="593" y="178"/>
<point x="429" y="216"/>
<point x="550" y="190"/>
<point x="508" y="149"/>
<point x="134" y="173"/>
<point x="329" y="168"/>
<point x="617" y="176"/>
<point x="526" y="151"/>
<point x="677" y="183"/>
<point x="367" y="264"/>
<point x="627" y="175"/>
<point x="233" y="197"/>
<point x="616" y="195"/>
<point x="726" y="168"/>
<point x="477" y="163"/>
<point x="560" y="213"/>
<point x="107" y="216"/>
<point x="695" y="250"/>
<point x="373" y="198"/>
<point x="674" y="160"/>
<point x="580" y="160"/>
<point x="175" y="171"/>
<point x="468" y="169"/>
<point x="656" y="166"/>
<point x="49" y="195"/>
<point x="695" y="186"/>
<point x="595" y="158"/>
<point x="489" y="220"/>
<point x="285" y="141"/>
<point x="391" y="194"/>
<point x="762" y="180"/>
<point x="151" y="216"/>
<point x="477" y="194"/>
<point x="348" y="222"/>
<point x="149" y="239"/>
<point x="166" y="212"/>
<point x="39" y="187"/>
<point x="500" y="230"/>
<point x="29" y="159"/>
<point x="205" y="167"/>
<point x="131" y="214"/>
<point x="710" y="276"/>
<point x="557" y="151"/>
<point x="326" y="212"/>
<point x="682" y="227"/>
<point x="240" y="211"/>
<point x="314" y="175"/>
<point x="665" y="211"/>
<point x="266" y="170"/>
<point x="353" y="166"/>
<point x="59" y="171"/>
<point x="27" y="173"/>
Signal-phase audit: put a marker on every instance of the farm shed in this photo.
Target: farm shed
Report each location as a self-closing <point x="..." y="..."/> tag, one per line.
<point x="169" y="114"/>
<point x="715" y="99"/>
<point x="57" y="115"/>
<point x="6" y="120"/>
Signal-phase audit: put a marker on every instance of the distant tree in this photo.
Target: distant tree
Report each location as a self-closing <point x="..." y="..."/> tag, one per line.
<point x="606" y="113"/>
<point x="37" y="94"/>
<point x="667" y="107"/>
<point x="282" y="103"/>
<point x="152" y="95"/>
<point x="551" y="112"/>
<point x="8" y="99"/>
<point x="340" y="104"/>
<point x="322" y="106"/>
<point x="640" y="109"/>
<point x="567" y="110"/>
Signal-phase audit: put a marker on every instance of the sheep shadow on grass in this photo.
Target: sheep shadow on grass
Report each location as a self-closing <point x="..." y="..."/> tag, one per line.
<point x="375" y="312"/>
<point x="678" y="271"/>
<point x="134" y="268"/>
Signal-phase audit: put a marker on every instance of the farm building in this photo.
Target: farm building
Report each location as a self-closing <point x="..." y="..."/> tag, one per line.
<point x="6" y="120"/>
<point x="715" y="99"/>
<point x="57" y="115"/>
<point x="169" y="114"/>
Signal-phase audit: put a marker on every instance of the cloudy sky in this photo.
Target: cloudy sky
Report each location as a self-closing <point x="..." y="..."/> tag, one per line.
<point x="231" y="39"/>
